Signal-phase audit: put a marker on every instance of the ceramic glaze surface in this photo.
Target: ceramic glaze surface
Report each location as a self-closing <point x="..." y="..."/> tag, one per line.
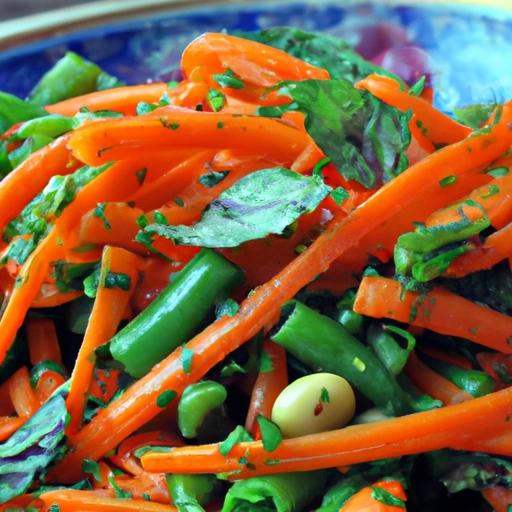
<point x="469" y="47"/>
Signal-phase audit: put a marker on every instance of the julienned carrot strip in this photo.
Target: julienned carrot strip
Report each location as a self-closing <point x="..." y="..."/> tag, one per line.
<point x="9" y="425"/>
<point x="496" y="248"/>
<point x="307" y="159"/>
<point x="107" y="312"/>
<point x="138" y="404"/>
<point x="196" y="196"/>
<point x="170" y="184"/>
<point x="71" y="501"/>
<point x="29" y="178"/>
<point x="495" y="361"/>
<point x="267" y="387"/>
<point x="169" y="127"/>
<point x="253" y="62"/>
<point x="119" y="99"/>
<point x="437" y="126"/>
<point x="438" y="310"/>
<point x="48" y="382"/>
<point x="500" y="498"/>
<point x="52" y="297"/>
<point x="115" y="184"/>
<point x="395" y="437"/>
<point x="447" y="357"/>
<point x="43" y="344"/>
<point x="433" y="384"/>
<point x="22" y="396"/>
<point x="496" y="440"/>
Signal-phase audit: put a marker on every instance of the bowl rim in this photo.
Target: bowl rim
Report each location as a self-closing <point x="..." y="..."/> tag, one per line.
<point x="64" y="21"/>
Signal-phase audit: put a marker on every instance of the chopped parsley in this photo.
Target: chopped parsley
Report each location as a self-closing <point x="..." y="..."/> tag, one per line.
<point x="165" y="398"/>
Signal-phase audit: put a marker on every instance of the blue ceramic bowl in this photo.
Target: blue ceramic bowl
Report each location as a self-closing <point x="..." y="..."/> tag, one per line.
<point x="469" y="46"/>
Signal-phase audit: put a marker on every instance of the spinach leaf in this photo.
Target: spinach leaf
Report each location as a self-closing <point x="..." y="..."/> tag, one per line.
<point x="364" y="138"/>
<point x="320" y="50"/>
<point x="32" y="448"/>
<point x="258" y="204"/>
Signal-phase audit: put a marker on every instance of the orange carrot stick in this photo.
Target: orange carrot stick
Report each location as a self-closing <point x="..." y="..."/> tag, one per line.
<point x="43" y="344"/>
<point x="500" y="498"/>
<point x="174" y="127"/>
<point x="48" y="382"/>
<point x="52" y="297"/>
<point x="138" y="404"/>
<point x="120" y="99"/>
<point x="9" y="425"/>
<point x="253" y="62"/>
<point x="267" y="387"/>
<point x="31" y="176"/>
<point x="405" y="435"/>
<point x="364" y="500"/>
<point x="496" y="248"/>
<point x="23" y="398"/>
<point x="71" y="501"/>
<point x="107" y="312"/>
<point x="438" y="127"/>
<point x="433" y="384"/>
<point x="439" y="310"/>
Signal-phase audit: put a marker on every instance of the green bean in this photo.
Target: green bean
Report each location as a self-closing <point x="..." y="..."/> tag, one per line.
<point x="288" y="492"/>
<point x="188" y="492"/>
<point x="351" y="321"/>
<point x="474" y="382"/>
<point x="51" y="126"/>
<point x="325" y="345"/>
<point x="197" y="401"/>
<point x="177" y="314"/>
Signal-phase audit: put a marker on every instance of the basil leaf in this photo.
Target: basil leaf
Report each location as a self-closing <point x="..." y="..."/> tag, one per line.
<point x="32" y="448"/>
<point x="364" y="138"/>
<point x="258" y="204"/>
<point x="320" y="50"/>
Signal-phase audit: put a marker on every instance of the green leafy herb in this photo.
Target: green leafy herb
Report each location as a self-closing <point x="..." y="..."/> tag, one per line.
<point x="321" y="50"/>
<point x="212" y="178"/>
<point x="99" y="212"/>
<point x="270" y="434"/>
<point x="117" y="280"/>
<point x="418" y="87"/>
<point x="92" y="467"/>
<point x="228" y="79"/>
<point x="228" y="307"/>
<point x="187" y="355"/>
<point x="14" y="110"/>
<point x="449" y="180"/>
<point x="364" y="138"/>
<point x="165" y="398"/>
<point x="474" y="115"/>
<point x="141" y="175"/>
<point x="216" y="99"/>
<point x="261" y="203"/>
<point x="339" y="195"/>
<point x="386" y="498"/>
<point x="92" y="282"/>
<point x="166" y="124"/>
<point x="121" y="494"/>
<point x="324" y="396"/>
<point x="239" y="435"/>
<point x="266" y="364"/>
<point x="498" y="172"/>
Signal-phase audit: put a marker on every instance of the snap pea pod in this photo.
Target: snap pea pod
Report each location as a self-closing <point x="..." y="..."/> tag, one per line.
<point x="325" y="345"/>
<point x="188" y="492"/>
<point x="474" y="382"/>
<point x="351" y="320"/>
<point x="197" y="401"/>
<point x="287" y="492"/>
<point x="177" y="314"/>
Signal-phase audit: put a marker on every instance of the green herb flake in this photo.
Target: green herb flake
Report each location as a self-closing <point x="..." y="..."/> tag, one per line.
<point x="493" y="190"/>
<point x="141" y="175"/>
<point x="270" y="434"/>
<point x="120" y="493"/>
<point x="498" y="172"/>
<point x="213" y="178"/>
<point x="99" y="212"/>
<point x="216" y="99"/>
<point x="101" y="151"/>
<point x="266" y="364"/>
<point x="53" y="508"/>
<point x="179" y="201"/>
<point x="165" y="124"/>
<point x="449" y="180"/>
<point x="117" y="280"/>
<point x="418" y="87"/>
<point x="239" y="435"/>
<point x="300" y="248"/>
<point x="160" y="218"/>
<point x="319" y="166"/>
<point x="187" y="355"/>
<point x="386" y="498"/>
<point x="220" y="125"/>
<point x="271" y="462"/>
<point x="92" y="467"/>
<point x="229" y="307"/>
<point x="165" y="398"/>
<point x="324" y="396"/>
<point x="473" y="330"/>
<point x="339" y="195"/>
<point x="146" y="496"/>
<point x="228" y="79"/>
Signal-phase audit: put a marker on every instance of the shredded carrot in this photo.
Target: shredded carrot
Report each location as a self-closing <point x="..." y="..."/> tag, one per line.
<point x="438" y="310"/>
<point x="43" y="344"/>
<point x="22" y="396"/>
<point x="107" y="312"/>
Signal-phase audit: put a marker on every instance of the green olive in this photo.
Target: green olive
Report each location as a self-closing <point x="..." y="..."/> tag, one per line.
<point x="312" y="404"/>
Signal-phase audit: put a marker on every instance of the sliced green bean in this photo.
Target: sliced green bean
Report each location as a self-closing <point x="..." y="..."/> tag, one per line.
<point x="325" y="345"/>
<point x="177" y="314"/>
<point x="197" y="401"/>
<point x="189" y="492"/>
<point x="351" y="321"/>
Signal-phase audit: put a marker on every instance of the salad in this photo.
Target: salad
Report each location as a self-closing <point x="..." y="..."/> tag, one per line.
<point x="279" y="284"/>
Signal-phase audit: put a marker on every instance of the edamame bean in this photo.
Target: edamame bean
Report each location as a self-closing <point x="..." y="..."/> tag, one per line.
<point x="312" y="404"/>
<point x="197" y="401"/>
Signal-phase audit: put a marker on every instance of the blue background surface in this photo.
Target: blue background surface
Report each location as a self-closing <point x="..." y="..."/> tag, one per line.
<point x="470" y="47"/>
